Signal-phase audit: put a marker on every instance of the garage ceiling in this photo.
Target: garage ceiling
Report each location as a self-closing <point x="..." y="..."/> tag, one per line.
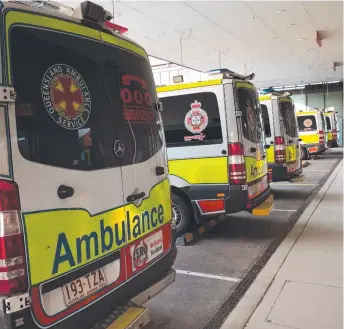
<point x="274" y="39"/>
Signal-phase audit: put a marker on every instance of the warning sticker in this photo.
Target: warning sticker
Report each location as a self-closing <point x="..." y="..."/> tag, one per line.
<point x="196" y="120"/>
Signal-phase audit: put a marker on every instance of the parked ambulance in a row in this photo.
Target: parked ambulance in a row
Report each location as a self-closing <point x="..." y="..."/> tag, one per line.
<point x="85" y="208"/>
<point x="216" y="149"/>
<point x="313" y="130"/>
<point x="282" y="134"/>
<point x="332" y="128"/>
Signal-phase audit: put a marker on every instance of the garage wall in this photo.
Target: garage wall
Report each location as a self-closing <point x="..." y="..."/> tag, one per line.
<point x="321" y="99"/>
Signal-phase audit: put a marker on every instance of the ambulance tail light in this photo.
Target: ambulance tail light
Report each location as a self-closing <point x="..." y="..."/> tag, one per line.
<point x="321" y="137"/>
<point x="13" y="277"/>
<point x="236" y="162"/>
<point x="280" y="151"/>
<point x="334" y="134"/>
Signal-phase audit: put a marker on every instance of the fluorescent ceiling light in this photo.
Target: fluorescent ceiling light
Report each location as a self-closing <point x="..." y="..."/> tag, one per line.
<point x="301" y="39"/>
<point x="333" y="81"/>
<point x="291" y="25"/>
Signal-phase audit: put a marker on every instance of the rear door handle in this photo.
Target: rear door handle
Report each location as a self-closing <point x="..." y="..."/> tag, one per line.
<point x="159" y="170"/>
<point x="65" y="192"/>
<point x="253" y="149"/>
<point x="134" y="197"/>
<point x="290" y="140"/>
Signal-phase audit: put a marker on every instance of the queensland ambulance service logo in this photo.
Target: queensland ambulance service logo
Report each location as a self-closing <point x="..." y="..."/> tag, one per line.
<point x="196" y="120"/>
<point x="307" y="123"/>
<point x="66" y="96"/>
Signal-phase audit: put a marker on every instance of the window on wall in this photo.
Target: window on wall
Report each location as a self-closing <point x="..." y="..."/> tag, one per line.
<point x="316" y="100"/>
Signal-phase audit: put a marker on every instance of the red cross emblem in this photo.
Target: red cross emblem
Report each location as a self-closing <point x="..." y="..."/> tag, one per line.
<point x="67" y="97"/>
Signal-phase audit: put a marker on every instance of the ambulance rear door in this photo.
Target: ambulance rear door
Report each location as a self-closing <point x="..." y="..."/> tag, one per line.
<point x="251" y="133"/>
<point x="140" y="147"/>
<point x="290" y="134"/>
<point x="268" y="115"/>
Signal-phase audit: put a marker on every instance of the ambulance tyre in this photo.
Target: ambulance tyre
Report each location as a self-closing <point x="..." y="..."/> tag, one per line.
<point x="181" y="214"/>
<point x="304" y="155"/>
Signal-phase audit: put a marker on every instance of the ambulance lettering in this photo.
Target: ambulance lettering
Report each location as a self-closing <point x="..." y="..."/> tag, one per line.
<point x="108" y="238"/>
<point x="137" y="104"/>
<point x="257" y="170"/>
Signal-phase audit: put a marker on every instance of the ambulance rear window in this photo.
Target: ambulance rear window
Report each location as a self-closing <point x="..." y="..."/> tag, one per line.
<point x="328" y="123"/>
<point x="307" y="123"/>
<point x="77" y="97"/>
<point x="288" y="114"/>
<point x="251" y="118"/>
<point x="266" y="120"/>
<point x="191" y="119"/>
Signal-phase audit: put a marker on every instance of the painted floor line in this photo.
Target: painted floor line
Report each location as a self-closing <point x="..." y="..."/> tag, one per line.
<point x="209" y="276"/>
<point x="316" y="170"/>
<point x="293" y="184"/>
<point x="289" y="210"/>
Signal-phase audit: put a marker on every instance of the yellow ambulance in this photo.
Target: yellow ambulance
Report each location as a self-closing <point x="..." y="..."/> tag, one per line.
<point x="281" y="133"/>
<point x="312" y="130"/>
<point x="216" y="148"/>
<point x="332" y="128"/>
<point x="85" y="208"/>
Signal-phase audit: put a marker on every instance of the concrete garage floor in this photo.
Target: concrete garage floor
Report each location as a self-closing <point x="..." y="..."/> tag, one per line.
<point x="210" y="269"/>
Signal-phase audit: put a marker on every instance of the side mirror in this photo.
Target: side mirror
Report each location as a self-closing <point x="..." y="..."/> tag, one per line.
<point x="266" y="146"/>
<point x="158" y="106"/>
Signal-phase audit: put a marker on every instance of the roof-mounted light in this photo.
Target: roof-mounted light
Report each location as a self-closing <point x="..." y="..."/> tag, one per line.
<point x="92" y="12"/>
<point x="274" y="92"/>
<point x="228" y="74"/>
<point x="116" y="28"/>
<point x="49" y="5"/>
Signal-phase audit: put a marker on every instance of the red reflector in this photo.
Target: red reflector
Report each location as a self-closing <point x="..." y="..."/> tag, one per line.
<point x="236" y="161"/>
<point x="279" y="140"/>
<point x="116" y="28"/>
<point x="9" y="196"/>
<point x="13" y="278"/>
<point x="11" y="246"/>
<point x="235" y="149"/>
<point x="208" y="206"/>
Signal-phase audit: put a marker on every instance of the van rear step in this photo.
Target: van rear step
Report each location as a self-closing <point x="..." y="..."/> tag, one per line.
<point x="195" y="235"/>
<point x="126" y="316"/>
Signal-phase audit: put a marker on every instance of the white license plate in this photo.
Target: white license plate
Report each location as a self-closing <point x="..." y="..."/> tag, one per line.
<point x="257" y="187"/>
<point x="86" y="285"/>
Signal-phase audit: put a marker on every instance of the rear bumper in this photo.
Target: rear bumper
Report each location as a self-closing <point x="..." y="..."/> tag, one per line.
<point x="280" y="173"/>
<point x="239" y="201"/>
<point x="157" y="277"/>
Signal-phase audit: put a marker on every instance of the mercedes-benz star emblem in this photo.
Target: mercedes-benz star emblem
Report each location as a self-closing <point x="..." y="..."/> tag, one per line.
<point x="119" y="149"/>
